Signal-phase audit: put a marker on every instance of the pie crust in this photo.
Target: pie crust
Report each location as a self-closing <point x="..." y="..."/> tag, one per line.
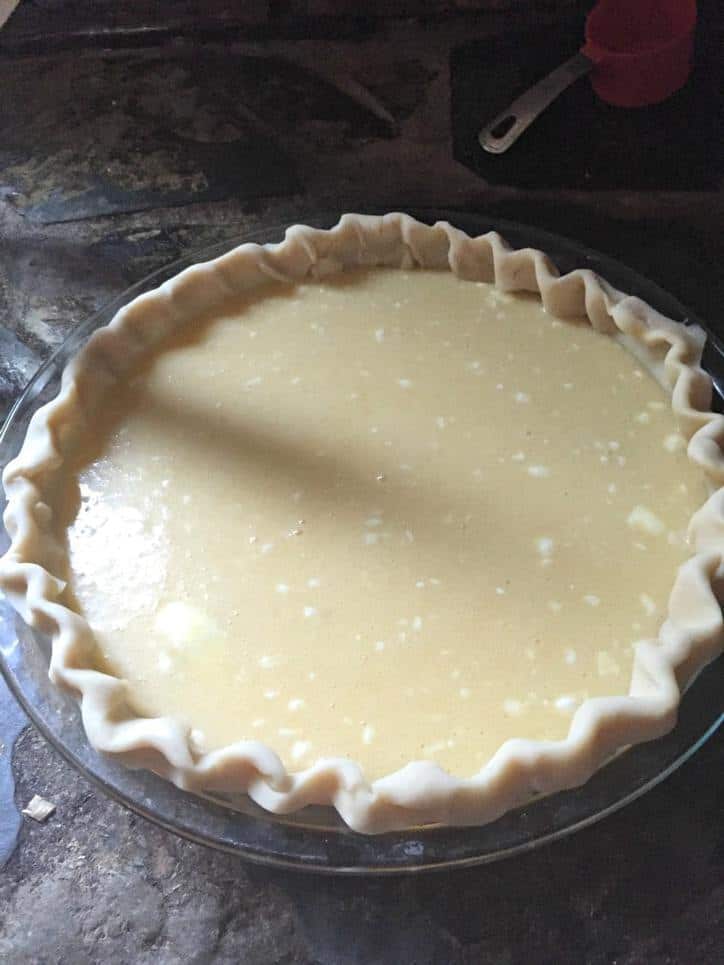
<point x="421" y="792"/>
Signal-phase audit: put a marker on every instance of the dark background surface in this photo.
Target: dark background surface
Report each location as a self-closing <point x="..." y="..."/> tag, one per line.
<point x="131" y="134"/>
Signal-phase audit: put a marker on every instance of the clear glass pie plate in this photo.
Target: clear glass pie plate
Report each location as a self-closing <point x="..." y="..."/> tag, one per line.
<point x="315" y="839"/>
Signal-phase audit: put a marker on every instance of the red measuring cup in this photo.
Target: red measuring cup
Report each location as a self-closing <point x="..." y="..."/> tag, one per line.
<point x="637" y="52"/>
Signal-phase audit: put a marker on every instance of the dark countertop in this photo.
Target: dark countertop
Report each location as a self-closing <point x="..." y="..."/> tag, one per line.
<point x="97" y="883"/>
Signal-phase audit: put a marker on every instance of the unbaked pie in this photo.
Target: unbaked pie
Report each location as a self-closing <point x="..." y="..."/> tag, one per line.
<point x="383" y="517"/>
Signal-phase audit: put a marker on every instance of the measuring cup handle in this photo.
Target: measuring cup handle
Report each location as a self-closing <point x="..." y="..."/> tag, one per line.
<point x="507" y="127"/>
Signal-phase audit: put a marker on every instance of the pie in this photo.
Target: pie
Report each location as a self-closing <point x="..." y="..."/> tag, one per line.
<point x="383" y="517"/>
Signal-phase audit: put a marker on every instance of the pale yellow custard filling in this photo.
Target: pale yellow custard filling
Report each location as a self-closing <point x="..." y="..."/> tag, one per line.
<point x="392" y="516"/>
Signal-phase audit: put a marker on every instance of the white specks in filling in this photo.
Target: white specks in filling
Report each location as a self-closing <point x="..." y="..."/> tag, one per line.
<point x="555" y="606"/>
<point x="380" y="477"/>
<point x="250" y="383"/>
<point x="570" y="656"/>
<point x="420" y="584"/>
<point x="674" y="442"/>
<point x="429" y="750"/>
<point x="373" y="521"/>
<point x="299" y="749"/>
<point x="643" y="418"/>
<point x="296" y="703"/>
<point x="267" y="662"/>
<point x="267" y="548"/>
<point x="606" y="665"/>
<point x="500" y="590"/>
<point x="417" y="623"/>
<point x="368" y="734"/>
<point x="512" y="707"/>
<point x="473" y="366"/>
<point x="379" y="646"/>
<point x="282" y="588"/>
<point x="500" y="386"/>
<point x="164" y="662"/>
<point x="314" y="582"/>
<point x="379" y="335"/>
<point x="522" y="397"/>
<point x="409" y="536"/>
<point x="518" y="456"/>
<point x="545" y="546"/>
<point x="648" y="604"/>
<point x="591" y="599"/>
<point x="465" y="692"/>
<point x="271" y="694"/>
<point x="539" y="472"/>
<point x="612" y="488"/>
<point x="252" y="540"/>
<point x="656" y="405"/>
<point x="310" y="611"/>
<point x="566" y="704"/>
<point x="441" y="422"/>
<point x="404" y="383"/>
<point x="258" y="722"/>
<point x="568" y="386"/>
<point x="644" y="519"/>
<point x="287" y="732"/>
<point x="371" y="538"/>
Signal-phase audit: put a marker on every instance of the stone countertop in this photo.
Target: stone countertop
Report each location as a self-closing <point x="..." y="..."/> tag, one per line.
<point x="97" y="883"/>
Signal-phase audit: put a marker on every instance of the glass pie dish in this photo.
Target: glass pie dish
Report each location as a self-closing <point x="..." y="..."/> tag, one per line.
<point x="314" y="838"/>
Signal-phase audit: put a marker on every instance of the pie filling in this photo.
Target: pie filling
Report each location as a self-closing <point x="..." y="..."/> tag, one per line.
<point x="392" y="516"/>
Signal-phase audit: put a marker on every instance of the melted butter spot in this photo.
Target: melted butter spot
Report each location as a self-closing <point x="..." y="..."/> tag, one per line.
<point x="268" y="662"/>
<point x="545" y="545"/>
<point x="165" y="663"/>
<point x="300" y="749"/>
<point x="186" y="626"/>
<point x="675" y="442"/>
<point x="645" y="520"/>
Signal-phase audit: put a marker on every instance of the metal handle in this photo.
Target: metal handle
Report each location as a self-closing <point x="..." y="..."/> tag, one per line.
<point x="507" y="127"/>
